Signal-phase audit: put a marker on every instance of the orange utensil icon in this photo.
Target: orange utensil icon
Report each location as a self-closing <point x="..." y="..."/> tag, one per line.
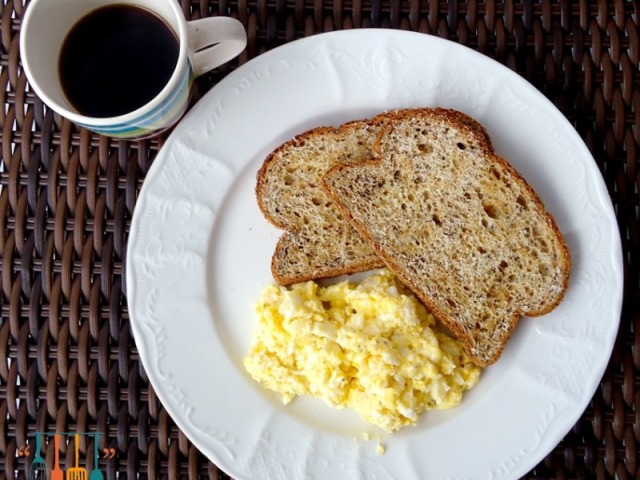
<point x="77" y="472"/>
<point x="56" y="473"/>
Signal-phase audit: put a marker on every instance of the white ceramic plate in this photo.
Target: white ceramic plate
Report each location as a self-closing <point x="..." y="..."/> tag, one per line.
<point x="199" y="254"/>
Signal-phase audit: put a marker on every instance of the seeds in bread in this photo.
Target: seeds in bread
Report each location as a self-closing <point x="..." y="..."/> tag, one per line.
<point x="319" y="242"/>
<point x="458" y="225"/>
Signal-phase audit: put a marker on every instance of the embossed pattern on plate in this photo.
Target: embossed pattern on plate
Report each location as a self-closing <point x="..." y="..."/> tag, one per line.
<point x="199" y="254"/>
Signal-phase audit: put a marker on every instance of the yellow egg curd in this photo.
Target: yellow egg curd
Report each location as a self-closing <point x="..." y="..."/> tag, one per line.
<point x="369" y="346"/>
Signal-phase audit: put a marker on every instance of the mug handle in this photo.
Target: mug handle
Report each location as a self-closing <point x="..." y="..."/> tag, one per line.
<point x="214" y="41"/>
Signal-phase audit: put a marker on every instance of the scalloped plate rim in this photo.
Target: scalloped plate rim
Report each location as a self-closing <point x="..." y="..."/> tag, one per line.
<point x="183" y="133"/>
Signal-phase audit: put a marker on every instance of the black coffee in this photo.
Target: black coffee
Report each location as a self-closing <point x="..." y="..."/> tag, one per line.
<point x="116" y="59"/>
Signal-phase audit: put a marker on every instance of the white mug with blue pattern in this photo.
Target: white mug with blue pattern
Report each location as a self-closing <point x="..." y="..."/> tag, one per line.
<point x="203" y="44"/>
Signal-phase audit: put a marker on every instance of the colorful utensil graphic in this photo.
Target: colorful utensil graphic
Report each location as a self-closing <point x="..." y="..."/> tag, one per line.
<point x="95" y="474"/>
<point x="56" y="473"/>
<point x="77" y="472"/>
<point x="38" y="466"/>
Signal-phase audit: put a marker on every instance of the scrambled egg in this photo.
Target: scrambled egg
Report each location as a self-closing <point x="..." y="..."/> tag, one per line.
<point x="371" y="347"/>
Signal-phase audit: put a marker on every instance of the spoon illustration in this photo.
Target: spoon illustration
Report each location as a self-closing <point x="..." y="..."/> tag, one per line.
<point x="96" y="474"/>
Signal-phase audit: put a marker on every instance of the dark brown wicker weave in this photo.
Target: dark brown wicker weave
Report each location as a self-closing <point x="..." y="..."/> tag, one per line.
<point x="68" y="197"/>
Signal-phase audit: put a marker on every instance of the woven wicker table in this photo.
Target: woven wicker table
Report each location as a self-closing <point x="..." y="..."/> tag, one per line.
<point x="68" y="196"/>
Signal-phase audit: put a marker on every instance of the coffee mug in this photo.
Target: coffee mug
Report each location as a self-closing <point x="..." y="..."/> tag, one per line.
<point x="201" y="45"/>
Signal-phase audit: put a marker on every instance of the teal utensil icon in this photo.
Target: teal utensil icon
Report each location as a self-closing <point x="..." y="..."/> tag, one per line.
<point x="38" y="470"/>
<point x="96" y="474"/>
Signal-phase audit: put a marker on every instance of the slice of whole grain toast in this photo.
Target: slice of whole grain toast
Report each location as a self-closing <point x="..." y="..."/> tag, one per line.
<point x="457" y="224"/>
<point x="318" y="241"/>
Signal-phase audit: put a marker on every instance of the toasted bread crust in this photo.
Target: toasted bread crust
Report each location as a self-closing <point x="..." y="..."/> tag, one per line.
<point x="361" y="264"/>
<point x="262" y="175"/>
<point x="470" y="330"/>
<point x="302" y="253"/>
<point x="317" y="242"/>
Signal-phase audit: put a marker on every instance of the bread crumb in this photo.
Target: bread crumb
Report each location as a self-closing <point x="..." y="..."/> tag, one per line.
<point x="379" y="449"/>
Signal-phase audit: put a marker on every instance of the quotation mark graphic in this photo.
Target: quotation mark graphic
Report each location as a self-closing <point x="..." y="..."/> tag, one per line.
<point x="109" y="453"/>
<point x="24" y="451"/>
